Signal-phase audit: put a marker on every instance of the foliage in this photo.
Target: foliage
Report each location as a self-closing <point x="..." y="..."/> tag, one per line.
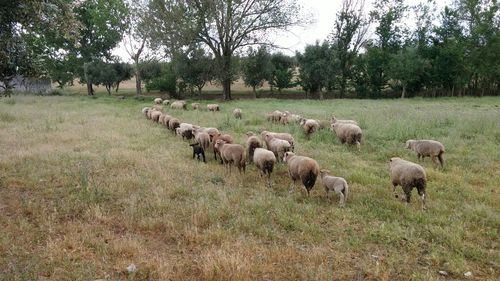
<point x="406" y="66"/>
<point x="257" y="68"/>
<point x="282" y="71"/>
<point x="108" y="74"/>
<point x="165" y="82"/>
<point x="194" y="67"/>
<point x="314" y="67"/>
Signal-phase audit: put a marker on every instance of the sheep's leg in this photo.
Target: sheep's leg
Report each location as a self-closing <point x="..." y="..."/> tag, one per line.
<point x="269" y="180"/>
<point x="394" y="190"/>
<point x="434" y="160"/>
<point x="292" y="186"/>
<point x="441" y="161"/>
<point x="421" y="192"/>
<point x="342" y="198"/>
<point x="407" y="192"/>
<point x="203" y="154"/>
<point x="194" y="154"/>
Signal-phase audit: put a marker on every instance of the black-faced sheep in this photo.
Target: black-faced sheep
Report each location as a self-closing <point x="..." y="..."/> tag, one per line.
<point x="427" y="148"/>
<point x="179" y="104"/>
<point x="198" y="151"/>
<point x="348" y="133"/>
<point x="253" y="142"/>
<point x="264" y="161"/>
<point x="231" y="154"/>
<point x="195" y="106"/>
<point x="309" y="126"/>
<point x="335" y="184"/>
<point x="166" y="102"/>
<point x="213" y="107"/>
<point x="277" y="146"/>
<point x="237" y="113"/>
<point x="282" y="136"/>
<point x="335" y="120"/>
<point x="408" y="175"/>
<point x="158" y="101"/>
<point x="302" y="168"/>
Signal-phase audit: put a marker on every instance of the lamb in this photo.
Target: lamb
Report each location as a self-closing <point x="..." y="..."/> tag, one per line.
<point x="237" y="113"/>
<point x="347" y="132"/>
<point x="195" y="106"/>
<point x="155" y="115"/>
<point x="277" y="146"/>
<point x="198" y="151"/>
<point x="336" y="184"/>
<point x="335" y="120"/>
<point x="166" y="102"/>
<point x="226" y="138"/>
<point x="304" y="168"/>
<point x="309" y="125"/>
<point x="179" y="104"/>
<point x="158" y="101"/>
<point x="231" y="154"/>
<point x="264" y="161"/>
<point x="430" y="148"/>
<point x="253" y="142"/>
<point x="408" y="175"/>
<point x="202" y="138"/>
<point x="173" y="124"/>
<point x="213" y="107"/>
<point x="283" y="136"/>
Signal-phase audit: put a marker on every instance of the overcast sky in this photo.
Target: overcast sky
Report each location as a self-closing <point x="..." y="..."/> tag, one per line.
<point x="323" y="12"/>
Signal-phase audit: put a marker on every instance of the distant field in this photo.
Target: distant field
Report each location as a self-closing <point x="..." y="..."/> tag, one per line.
<point x="89" y="187"/>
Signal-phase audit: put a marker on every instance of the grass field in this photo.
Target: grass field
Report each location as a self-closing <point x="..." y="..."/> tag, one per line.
<point x="89" y="186"/>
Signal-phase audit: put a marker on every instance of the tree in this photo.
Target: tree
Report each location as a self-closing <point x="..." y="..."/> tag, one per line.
<point x="257" y="68"/>
<point x="406" y="66"/>
<point x="314" y="66"/>
<point x="282" y="71"/>
<point x="194" y="67"/>
<point x="347" y="37"/>
<point x="223" y="26"/>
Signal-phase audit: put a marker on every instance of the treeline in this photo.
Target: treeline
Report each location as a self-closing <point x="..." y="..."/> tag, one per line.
<point x="454" y="51"/>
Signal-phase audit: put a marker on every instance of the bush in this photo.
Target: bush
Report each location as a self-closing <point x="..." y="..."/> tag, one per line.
<point x="166" y="83"/>
<point x="54" y="92"/>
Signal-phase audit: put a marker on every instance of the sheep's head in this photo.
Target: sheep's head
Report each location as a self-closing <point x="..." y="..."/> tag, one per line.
<point x="250" y="133"/>
<point x="219" y="143"/>
<point x="324" y="172"/>
<point x="334" y="120"/>
<point x="409" y="143"/>
<point x="287" y="156"/>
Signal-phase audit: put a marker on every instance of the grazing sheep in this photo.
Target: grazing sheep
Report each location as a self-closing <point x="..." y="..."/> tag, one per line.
<point x="429" y="148"/>
<point x="264" y="161"/>
<point x="276" y="116"/>
<point x="145" y="111"/>
<point x="155" y="115"/>
<point x="408" y="175"/>
<point x="186" y="131"/>
<point x="231" y="154"/>
<point x="226" y="138"/>
<point x="277" y="146"/>
<point x="179" y="104"/>
<point x="202" y="138"/>
<point x="347" y="132"/>
<point x="158" y="101"/>
<point x="302" y="168"/>
<point x="166" y="102"/>
<point x="237" y="113"/>
<point x="213" y="107"/>
<point x="335" y="120"/>
<point x="309" y="126"/>
<point x="253" y="142"/>
<point x="285" y="118"/>
<point x="166" y="119"/>
<point x="149" y="112"/>
<point x="210" y="131"/>
<point x="198" y="151"/>
<point x="283" y="136"/>
<point x="173" y="124"/>
<point x="195" y="106"/>
<point x="336" y="184"/>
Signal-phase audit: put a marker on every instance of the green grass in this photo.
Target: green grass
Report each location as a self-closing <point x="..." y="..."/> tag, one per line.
<point x="89" y="186"/>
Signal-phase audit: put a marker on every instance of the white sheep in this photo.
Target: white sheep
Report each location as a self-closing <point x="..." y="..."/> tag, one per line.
<point x="335" y="184"/>
<point x="408" y="175"/>
<point x="264" y="161"/>
<point x="158" y="101"/>
<point x="427" y="148"/>
<point x="283" y="136"/>
<point x="277" y="146"/>
<point x="348" y="133"/>
<point x="237" y="113"/>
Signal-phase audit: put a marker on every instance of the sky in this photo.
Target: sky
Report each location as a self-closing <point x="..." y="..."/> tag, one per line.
<point x="323" y="13"/>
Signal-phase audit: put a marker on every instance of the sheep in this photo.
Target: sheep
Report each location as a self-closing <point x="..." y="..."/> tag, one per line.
<point x="430" y="148"/>
<point x="277" y="146"/>
<point x="213" y="107"/>
<point x="226" y="138"/>
<point x="145" y="111"/>
<point x="335" y="120"/>
<point x="347" y="132"/>
<point x="198" y="151"/>
<point x="283" y="136"/>
<point x="185" y="130"/>
<point x="166" y="102"/>
<point x="155" y="115"/>
<point x="253" y="142"/>
<point x="166" y="119"/>
<point x="173" y="124"/>
<point x="276" y="116"/>
<point x="179" y="104"/>
<point x="158" y="101"/>
<point x="264" y="161"/>
<point x="237" y="113"/>
<point x="149" y="112"/>
<point x="285" y="118"/>
<point x="408" y="175"/>
<point x="231" y="153"/>
<point x="336" y="184"/>
<point x="309" y="126"/>
<point x="202" y="138"/>
<point x="195" y="106"/>
<point x="304" y="168"/>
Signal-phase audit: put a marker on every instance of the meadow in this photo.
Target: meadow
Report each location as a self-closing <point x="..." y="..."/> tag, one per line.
<point x="89" y="187"/>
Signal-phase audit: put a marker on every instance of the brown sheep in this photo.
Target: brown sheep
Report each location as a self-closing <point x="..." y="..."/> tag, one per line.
<point x="253" y="142"/>
<point x="282" y="136"/>
<point x="155" y="115"/>
<point x="203" y="139"/>
<point x="173" y="124"/>
<point x="237" y="113"/>
<point x="213" y="107"/>
<point x="166" y="119"/>
<point x="408" y="175"/>
<point x="336" y="184"/>
<point x="427" y="148"/>
<point x="302" y="168"/>
<point x="231" y="154"/>
<point x="264" y="161"/>
<point x="226" y="138"/>
<point x="348" y="133"/>
<point x="277" y="146"/>
<point x="309" y="126"/>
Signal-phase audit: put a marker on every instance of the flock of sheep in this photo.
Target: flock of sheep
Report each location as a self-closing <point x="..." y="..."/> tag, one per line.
<point x="280" y="146"/>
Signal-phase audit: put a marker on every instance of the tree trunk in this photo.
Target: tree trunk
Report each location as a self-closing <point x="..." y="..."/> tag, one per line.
<point x="254" y="92"/>
<point x="226" y="73"/>
<point x="138" y="89"/>
<point x="226" y="85"/>
<point x="404" y="91"/>
<point x="108" y="89"/>
<point x="321" y="97"/>
<point x="117" y="87"/>
<point x="90" y="91"/>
